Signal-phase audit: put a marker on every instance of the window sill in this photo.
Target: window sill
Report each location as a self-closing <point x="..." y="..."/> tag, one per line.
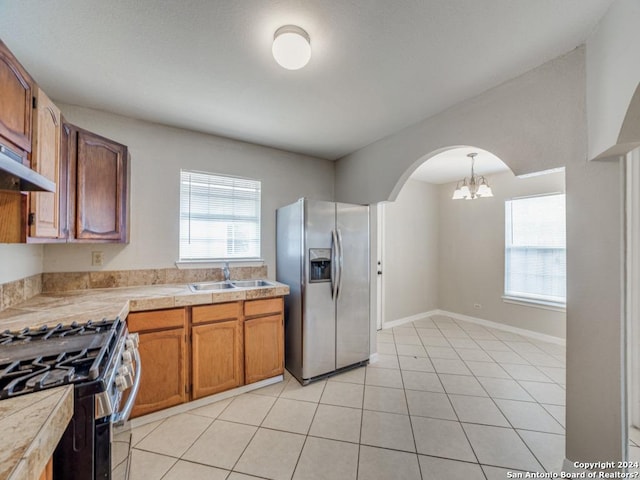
<point x="219" y="263"/>
<point x="535" y="303"/>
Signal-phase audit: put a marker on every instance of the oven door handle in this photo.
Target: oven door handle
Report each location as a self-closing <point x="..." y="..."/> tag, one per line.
<point x="122" y="416"/>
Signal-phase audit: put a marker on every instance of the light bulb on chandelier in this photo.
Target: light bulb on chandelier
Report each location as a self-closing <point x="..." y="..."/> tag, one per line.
<point x="475" y="186"/>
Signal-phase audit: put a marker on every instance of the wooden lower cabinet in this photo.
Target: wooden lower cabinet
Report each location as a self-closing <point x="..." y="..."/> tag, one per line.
<point x="216" y="357"/>
<point x="263" y="348"/>
<point x="47" y="473"/>
<point x="163" y="354"/>
<point x="209" y="348"/>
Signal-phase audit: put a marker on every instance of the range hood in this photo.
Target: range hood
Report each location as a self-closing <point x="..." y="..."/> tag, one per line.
<point x="16" y="177"/>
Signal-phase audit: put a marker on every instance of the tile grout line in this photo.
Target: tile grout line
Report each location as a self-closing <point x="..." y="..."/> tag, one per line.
<point x="308" y="429"/>
<point x="254" y="433"/>
<point x="482" y="386"/>
<point x="458" y="417"/>
<point x="447" y="339"/>
<point x="404" y="391"/>
<point x="508" y="421"/>
<point x="364" y="388"/>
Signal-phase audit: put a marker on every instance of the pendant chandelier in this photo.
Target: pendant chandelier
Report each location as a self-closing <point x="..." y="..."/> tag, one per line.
<point x="473" y="187"/>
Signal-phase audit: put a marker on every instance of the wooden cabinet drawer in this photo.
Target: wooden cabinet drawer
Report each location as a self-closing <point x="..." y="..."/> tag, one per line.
<point x="156" y="320"/>
<point x="216" y="312"/>
<point x="267" y="306"/>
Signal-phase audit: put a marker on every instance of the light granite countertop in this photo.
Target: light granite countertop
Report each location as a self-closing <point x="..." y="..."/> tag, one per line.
<point x="96" y="304"/>
<point x="32" y="424"/>
<point x="31" y="427"/>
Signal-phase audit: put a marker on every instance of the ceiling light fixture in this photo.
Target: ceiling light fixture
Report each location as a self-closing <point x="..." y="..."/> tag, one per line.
<point x="474" y="187"/>
<point x="291" y="47"/>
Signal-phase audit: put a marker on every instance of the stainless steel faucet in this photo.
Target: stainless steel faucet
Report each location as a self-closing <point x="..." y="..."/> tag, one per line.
<point x="226" y="272"/>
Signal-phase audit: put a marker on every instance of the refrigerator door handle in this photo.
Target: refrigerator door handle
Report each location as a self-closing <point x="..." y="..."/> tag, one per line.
<point x="334" y="264"/>
<point x="340" y="264"/>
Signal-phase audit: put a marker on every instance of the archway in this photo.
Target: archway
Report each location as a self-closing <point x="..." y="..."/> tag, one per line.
<point x="466" y="259"/>
<point x="410" y="230"/>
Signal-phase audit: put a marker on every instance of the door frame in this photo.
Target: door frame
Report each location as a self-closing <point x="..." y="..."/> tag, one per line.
<point x="632" y="220"/>
<point x="380" y="265"/>
<point x="376" y="287"/>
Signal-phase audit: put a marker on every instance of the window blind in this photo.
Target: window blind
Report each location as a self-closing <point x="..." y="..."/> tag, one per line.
<point x="219" y="216"/>
<point x="535" y="248"/>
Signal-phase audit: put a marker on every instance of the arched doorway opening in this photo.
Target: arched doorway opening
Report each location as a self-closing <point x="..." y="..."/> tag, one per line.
<point x="440" y="254"/>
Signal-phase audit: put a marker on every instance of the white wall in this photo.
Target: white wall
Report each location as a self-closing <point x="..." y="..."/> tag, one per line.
<point x="410" y="262"/>
<point x="19" y="261"/>
<point x="613" y="75"/>
<point x="536" y="122"/>
<point x="157" y="154"/>
<point x="472" y="238"/>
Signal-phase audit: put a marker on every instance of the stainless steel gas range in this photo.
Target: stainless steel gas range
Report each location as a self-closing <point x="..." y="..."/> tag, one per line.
<point x="101" y="360"/>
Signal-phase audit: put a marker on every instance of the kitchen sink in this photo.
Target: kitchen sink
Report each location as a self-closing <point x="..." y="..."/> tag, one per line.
<point x="208" y="286"/>
<point x="251" y="283"/>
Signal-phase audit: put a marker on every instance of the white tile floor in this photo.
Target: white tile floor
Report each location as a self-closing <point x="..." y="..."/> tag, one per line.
<point x="448" y="399"/>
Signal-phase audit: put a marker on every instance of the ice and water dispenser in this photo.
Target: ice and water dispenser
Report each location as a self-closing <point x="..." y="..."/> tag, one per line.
<point x="319" y="265"/>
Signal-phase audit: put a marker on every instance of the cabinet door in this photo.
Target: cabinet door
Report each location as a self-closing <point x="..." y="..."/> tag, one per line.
<point x="216" y="350"/>
<point x="16" y="92"/>
<point x="47" y="473"/>
<point x="100" y="178"/>
<point x="263" y="348"/>
<point x="45" y="159"/>
<point x="164" y="381"/>
<point x="13" y="224"/>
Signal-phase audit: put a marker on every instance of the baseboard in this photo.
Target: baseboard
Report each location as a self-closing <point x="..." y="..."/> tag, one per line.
<point x="374" y="357"/>
<point x="185" y="407"/>
<point x="501" y="326"/>
<point x="412" y="318"/>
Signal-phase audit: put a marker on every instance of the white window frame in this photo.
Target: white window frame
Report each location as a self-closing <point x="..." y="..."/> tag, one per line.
<point x="522" y="298"/>
<point x="220" y="181"/>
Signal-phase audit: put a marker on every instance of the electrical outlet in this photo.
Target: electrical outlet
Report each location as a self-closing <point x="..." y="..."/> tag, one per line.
<point x="97" y="259"/>
<point x="477" y="306"/>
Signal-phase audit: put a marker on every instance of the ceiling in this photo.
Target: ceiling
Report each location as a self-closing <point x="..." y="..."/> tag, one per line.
<point x="377" y="65"/>
<point x="452" y="165"/>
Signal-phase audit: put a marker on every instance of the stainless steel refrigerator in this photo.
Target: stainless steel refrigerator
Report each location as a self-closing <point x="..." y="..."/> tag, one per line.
<point x="323" y="255"/>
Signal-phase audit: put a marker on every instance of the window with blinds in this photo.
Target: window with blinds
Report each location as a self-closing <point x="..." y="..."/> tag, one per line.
<point x="219" y="217"/>
<point x="535" y="249"/>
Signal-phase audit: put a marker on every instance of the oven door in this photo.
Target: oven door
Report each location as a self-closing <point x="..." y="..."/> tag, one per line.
<point x="121" y="435"/>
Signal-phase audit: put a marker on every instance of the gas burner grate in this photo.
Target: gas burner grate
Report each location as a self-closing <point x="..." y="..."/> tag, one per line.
<point x="44" y="332"/>
<point x="45" y="357"/>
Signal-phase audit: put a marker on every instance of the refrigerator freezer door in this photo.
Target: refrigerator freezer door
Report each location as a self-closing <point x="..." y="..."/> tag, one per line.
<point x="290" y="270"/>
<point x="352" y="305"/>
<point x="319" y="326"/>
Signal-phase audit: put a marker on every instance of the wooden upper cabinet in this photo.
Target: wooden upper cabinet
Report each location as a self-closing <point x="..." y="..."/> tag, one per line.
<point x="45" y="212"/>
<point x="16" y="100"/>
<point x="98" y="180"/>
<point x="12" y="217"/>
